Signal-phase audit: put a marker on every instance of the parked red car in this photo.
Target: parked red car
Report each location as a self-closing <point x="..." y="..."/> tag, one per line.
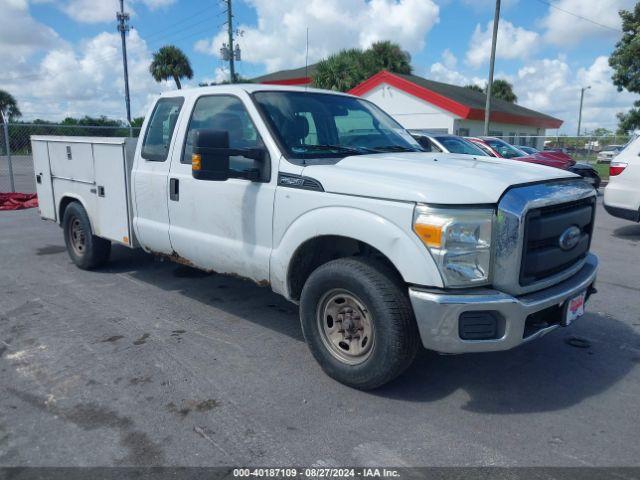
<point x="496" y="147"/>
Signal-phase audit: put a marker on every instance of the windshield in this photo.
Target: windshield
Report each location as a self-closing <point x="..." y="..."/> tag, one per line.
<point x="460" y="145"/>
<point x="315" y="125"/>
<point x="504" y="149"/>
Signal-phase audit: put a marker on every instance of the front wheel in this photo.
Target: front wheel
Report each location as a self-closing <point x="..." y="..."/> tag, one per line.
<point x="85" y="249"/>
<point x="358" y="322"/>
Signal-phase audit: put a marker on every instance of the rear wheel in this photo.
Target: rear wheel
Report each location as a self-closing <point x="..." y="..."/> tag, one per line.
<point x="358" y="322"/>
<point x="85" y="249"/>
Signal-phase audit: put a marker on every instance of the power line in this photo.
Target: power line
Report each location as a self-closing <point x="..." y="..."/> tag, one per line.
<point x="580" y="16"/>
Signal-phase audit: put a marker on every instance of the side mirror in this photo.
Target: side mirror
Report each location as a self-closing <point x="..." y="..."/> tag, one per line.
<point x="210" y="159"/>
<point x="211" y="152"/>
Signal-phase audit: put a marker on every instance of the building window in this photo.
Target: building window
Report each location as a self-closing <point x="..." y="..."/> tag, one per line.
<point x="495" y="133"/>
<point x="512" y="138"/>
<point x="463" y="132"/>
<point x="523" y="139"/>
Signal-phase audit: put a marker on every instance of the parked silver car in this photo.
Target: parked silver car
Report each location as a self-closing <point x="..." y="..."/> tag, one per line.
<point x="608" y="153"/>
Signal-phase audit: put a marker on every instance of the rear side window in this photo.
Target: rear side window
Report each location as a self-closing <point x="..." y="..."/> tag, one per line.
<point x="160" y="129"/>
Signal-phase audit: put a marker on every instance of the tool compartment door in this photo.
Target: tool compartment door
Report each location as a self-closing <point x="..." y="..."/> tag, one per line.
<point x="72" y="160"/>
<point x="44" y="185"/>
<point x="112" y="193"/>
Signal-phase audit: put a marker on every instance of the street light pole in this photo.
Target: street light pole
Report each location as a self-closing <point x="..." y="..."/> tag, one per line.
<point x="487" y="108"/>
<point x="582" y="90"/>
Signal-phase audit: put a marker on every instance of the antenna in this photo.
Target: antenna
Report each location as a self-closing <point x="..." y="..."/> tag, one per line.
<point x="306" y="60"/>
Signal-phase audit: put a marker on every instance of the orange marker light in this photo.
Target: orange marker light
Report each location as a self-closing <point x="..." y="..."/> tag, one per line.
<point x="196" y="162"/>
<point x="431" y="235"/>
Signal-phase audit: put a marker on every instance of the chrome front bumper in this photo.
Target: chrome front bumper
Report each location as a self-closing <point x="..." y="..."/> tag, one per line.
<point x="438" y="313"/>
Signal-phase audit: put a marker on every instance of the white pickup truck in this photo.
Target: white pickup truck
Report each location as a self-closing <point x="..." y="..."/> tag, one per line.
<point x="327" y="200"/>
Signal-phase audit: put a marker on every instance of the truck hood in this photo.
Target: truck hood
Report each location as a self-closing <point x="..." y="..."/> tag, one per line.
<point x="423" y="177"/>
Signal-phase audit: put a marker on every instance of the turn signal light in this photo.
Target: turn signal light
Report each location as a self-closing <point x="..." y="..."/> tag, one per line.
<point x="430" y="234"/>
<point x="196" y="162"/>
<point x="616" y="168"/>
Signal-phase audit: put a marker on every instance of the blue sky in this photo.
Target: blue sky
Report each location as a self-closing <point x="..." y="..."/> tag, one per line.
<point x="63" y="58"/>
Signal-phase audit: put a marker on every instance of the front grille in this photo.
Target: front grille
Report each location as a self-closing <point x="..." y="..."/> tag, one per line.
<point x="542" y="256"/>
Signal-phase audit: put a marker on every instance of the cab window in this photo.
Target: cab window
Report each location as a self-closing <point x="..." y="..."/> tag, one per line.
<point x="157" y="139"/>
<point x="224" y="112"/>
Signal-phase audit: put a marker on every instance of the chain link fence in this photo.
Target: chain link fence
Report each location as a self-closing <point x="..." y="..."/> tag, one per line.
<point x="16" y="163"/>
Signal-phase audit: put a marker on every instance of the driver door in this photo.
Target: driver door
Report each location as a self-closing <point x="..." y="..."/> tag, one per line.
<point x="224" y="226"/>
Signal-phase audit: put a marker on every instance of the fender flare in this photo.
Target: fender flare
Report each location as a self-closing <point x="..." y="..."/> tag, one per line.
<point x="405" y="251"/>
<point x="73" y="197"/>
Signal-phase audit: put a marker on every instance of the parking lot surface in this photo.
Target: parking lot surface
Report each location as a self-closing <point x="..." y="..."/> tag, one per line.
<point x="147" y="362"/>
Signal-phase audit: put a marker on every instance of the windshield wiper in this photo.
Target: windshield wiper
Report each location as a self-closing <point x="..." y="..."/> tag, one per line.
<point x="338" y="148"/>
<point x="394" y="148"/>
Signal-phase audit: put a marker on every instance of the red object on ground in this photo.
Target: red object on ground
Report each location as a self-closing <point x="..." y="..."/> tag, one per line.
<point x="18" y="201"/>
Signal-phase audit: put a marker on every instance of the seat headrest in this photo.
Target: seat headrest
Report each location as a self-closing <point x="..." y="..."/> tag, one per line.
<point x="300" y="127"/>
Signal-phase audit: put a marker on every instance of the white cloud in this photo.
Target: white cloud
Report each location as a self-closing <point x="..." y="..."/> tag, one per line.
<point x="565" y="29"/>
<point x="449" y="59"/>
<point x="20" y="36"/>
<point x="101" y="11"/>
<point x="89" y="80"/>
<point x="550" y="86"/>
<point x="513" y="43"/>
<point x="480" y="5"/>
<point x="278" y="40"/>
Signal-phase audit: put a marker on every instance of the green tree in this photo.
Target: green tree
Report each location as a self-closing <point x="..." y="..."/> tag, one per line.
<point x="601" y="132"/>
<point x="341" y="71"/>
<point x="625" y="62"/>
<point x="475" y="88"/>
<point x="630" y="121"/>
<point x="388" y="56"/>
<point x="9" y="105"/>
<point x="137" y="122"/>
<point x="501" y="89"/>
<point x="170" y="62"/>
<point x="347" y="68"/>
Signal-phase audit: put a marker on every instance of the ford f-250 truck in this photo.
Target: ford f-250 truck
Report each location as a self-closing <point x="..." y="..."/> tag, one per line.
<point x="330" y="202"/>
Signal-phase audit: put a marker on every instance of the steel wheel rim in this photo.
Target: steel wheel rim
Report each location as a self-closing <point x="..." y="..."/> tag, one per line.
<point x="77" y="237"/>
<point x="346" y="326"/>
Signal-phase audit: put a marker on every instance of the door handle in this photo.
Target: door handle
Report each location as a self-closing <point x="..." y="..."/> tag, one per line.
<point x="174" y="189"/>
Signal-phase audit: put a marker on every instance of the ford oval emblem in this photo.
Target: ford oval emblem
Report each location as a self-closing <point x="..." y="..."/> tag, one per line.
<point x="569" y="238"/>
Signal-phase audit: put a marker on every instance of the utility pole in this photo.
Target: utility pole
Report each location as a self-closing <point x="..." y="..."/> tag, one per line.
<point x="123" y="28"/>
<point x="229" y="53"/>
<point x="232" y="70"/>
<point x="582" y="90"/>
<point x="487" y="108"/>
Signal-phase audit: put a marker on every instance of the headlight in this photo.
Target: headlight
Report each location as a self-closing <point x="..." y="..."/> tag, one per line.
<point x="459" y="241"/>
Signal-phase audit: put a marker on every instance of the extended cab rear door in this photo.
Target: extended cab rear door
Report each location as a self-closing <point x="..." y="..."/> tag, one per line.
<point x="225" y="226"/>
<point x="150" y="176"/>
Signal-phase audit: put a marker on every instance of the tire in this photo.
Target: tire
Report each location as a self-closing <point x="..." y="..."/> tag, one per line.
<point x="381" y="310"/>
<point x="85" y="249"/>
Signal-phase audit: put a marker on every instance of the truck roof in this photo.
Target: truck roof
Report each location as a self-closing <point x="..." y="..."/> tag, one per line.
<point x="246" y="87"/>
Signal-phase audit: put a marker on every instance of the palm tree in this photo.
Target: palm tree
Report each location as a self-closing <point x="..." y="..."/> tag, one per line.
<point x="170" y="62"/>
<point x="348" y="68"/>
<point x="501" y="89"/>
<point x="387" y="56"/>
<point x="475" y="88"/>
<point x="341" y="71"/>
<point x="9" y="105"/>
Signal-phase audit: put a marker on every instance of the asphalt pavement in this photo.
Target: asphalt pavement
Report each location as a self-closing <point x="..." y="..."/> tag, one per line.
<point x="146" y="362"/>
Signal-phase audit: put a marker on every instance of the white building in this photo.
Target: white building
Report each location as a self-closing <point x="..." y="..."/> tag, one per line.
<point x="421" y="104"/>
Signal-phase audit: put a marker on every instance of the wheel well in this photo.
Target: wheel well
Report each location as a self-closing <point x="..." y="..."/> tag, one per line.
<point x="64" y="203"/>
<point x="320" y="250"/>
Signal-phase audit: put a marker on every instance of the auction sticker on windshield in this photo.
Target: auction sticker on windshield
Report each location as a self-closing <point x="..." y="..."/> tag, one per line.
<point x="574" y="308"/>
